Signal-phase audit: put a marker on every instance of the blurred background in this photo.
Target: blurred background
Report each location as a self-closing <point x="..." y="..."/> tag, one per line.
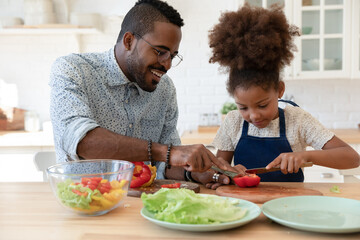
<point x="324" y="77"/>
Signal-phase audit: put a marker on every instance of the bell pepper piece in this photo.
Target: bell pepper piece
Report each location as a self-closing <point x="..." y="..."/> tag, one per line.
<point x="171" y="185"/>
<point x="153" y="176"/>
<point x="141" y="175"/>
<point x="250" y="180"/>
<point x="104" y="187"/>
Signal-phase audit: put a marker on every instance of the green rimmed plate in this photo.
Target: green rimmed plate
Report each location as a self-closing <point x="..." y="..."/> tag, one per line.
<point x="315" y="213"/>
<point x="253" y="211"/>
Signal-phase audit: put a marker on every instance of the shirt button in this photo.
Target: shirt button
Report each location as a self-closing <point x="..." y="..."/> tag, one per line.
<point x="130" y="125"/>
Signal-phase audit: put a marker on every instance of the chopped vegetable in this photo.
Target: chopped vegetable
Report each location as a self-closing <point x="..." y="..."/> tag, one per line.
<point x="143" y="175"/>
<point x="153" y="176"/>
<point x="91" y="194"/>
<point x="171" y="185"/>
<point x="250" y="180"/>
<point x="187" y="207"/>
<point x="335" y="189"/>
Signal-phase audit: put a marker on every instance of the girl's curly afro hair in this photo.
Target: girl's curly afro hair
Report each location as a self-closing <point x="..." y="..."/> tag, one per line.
<point x="253" y="42"/>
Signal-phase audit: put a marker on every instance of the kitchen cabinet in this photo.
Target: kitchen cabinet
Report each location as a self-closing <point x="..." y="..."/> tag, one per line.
<point x="329" y="44"/>
<point x="355" y="46"/>
<point x="324" y="46"/>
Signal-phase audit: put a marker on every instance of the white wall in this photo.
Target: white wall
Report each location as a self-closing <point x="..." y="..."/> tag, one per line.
<point x="26" y="59"/>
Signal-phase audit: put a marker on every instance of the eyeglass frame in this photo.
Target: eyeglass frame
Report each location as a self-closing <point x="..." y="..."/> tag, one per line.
<point x="162" y="53"/>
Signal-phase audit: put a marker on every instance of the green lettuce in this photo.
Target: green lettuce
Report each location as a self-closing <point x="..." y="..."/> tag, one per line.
<point x="70" y="199"/>
<point x="187" y="207"/>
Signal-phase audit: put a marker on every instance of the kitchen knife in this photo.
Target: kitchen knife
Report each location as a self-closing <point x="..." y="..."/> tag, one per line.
<point x="227" y="173"/>
<point x="264" y="170"/>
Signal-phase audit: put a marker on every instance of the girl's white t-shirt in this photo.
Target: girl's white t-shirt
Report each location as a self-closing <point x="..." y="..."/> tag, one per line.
<point x="302" y="130"/>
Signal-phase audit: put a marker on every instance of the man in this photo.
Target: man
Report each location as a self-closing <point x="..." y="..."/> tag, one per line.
<point x="121" y="104"/>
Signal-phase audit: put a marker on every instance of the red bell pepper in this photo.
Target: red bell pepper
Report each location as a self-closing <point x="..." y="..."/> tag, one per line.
<point x="141" y="175"/>
<point x="91" y="183"/>
<point x="171" y="185"/>
<point x="250" y="180"/>
<point x="79" y="193"/>
<point x="104" y="187"/>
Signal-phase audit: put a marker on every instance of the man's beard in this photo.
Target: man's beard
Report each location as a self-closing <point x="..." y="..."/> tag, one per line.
<point x="135" y="65"/>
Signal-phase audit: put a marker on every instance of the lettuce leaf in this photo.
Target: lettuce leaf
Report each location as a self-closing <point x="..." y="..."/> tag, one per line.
<point x="70" y="199"/>
<point x="187" y="207"/>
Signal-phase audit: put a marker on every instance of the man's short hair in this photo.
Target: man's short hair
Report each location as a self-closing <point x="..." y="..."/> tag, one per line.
<point x="140" y="19"/>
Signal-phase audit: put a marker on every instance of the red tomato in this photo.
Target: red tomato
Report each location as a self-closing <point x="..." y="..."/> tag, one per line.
<point x="250" y="180"/>
<point x="171" y="185"/>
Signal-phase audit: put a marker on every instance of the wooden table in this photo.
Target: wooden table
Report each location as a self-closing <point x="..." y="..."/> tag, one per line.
<point x="29" y="211"/>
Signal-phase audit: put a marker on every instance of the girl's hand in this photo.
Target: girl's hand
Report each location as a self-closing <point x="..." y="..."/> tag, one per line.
<point x="289" y="162"/>
<point x="240" y="169"/>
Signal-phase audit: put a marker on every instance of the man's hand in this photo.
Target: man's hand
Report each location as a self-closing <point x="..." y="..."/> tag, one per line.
<point x="196" y="158"/>
<point x="206" y="178"/>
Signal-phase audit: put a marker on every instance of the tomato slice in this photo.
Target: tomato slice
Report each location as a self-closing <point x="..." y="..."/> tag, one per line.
<point x="171" y="185"/>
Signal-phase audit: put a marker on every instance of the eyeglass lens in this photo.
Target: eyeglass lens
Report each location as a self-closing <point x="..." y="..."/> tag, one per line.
<point x="164" y="56"/>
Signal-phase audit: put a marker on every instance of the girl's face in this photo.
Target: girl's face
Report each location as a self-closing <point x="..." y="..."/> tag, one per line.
<point x="257" y="106"/>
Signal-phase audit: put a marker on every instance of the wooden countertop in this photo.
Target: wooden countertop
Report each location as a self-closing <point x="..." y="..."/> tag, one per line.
<point x="30" y="211"/>
<point x="206" y="136"/>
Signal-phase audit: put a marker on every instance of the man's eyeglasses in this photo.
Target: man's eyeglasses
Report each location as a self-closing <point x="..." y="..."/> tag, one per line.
<point x="164" y="55"/>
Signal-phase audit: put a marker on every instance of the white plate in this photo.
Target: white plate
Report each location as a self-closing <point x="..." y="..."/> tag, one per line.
<point x="253" y="211"/>
<point x="315" y="213"/>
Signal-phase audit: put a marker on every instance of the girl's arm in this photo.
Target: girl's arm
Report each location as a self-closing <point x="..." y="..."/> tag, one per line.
<point x="226" y="155"/>
<point x="334" y="154"/>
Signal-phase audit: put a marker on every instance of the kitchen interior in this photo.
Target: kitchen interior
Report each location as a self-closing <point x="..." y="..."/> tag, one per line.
<point x="324" y="77"/>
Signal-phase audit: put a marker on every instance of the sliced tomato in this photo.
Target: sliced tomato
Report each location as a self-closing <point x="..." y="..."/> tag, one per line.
<point x="171" y="185"/>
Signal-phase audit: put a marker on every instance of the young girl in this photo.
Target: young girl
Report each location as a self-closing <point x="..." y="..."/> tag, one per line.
<point x="253" y="45"/>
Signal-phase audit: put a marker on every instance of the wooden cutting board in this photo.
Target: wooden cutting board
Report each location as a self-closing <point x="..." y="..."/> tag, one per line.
<point x="156" y="186"/>
<point x="263" y="192"/>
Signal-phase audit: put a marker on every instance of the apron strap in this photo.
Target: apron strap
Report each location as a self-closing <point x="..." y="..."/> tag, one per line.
<point x="282" y="123"/>
<point x="245" y="129"/>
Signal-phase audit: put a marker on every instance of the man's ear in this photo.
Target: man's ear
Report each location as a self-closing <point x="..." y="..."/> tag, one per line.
<point x="281" y="89"/>
<point x="128" y="40"/>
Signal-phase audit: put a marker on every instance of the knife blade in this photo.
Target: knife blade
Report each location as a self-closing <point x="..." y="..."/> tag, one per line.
<point x="264" y="170"/>
<point x="227" y="173"/>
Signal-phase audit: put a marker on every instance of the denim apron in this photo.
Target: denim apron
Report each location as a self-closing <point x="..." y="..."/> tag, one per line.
<point x="257" y="152"/>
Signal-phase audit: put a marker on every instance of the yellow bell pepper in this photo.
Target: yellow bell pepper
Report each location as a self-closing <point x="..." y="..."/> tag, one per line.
<point x="153" y="176"/>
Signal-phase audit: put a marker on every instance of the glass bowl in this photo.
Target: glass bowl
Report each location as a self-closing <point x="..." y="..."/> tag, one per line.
<point x="91" y="187"/>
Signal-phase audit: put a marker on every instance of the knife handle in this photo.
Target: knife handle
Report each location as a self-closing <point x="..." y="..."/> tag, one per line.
<point x="307" y="164"/>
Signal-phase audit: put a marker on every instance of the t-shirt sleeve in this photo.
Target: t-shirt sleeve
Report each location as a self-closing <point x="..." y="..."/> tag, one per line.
<point x="312" y="131"/>
<point x="225" y="135"/>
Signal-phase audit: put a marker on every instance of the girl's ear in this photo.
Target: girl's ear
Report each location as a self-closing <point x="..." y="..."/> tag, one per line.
<point x="281" y="89"/>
